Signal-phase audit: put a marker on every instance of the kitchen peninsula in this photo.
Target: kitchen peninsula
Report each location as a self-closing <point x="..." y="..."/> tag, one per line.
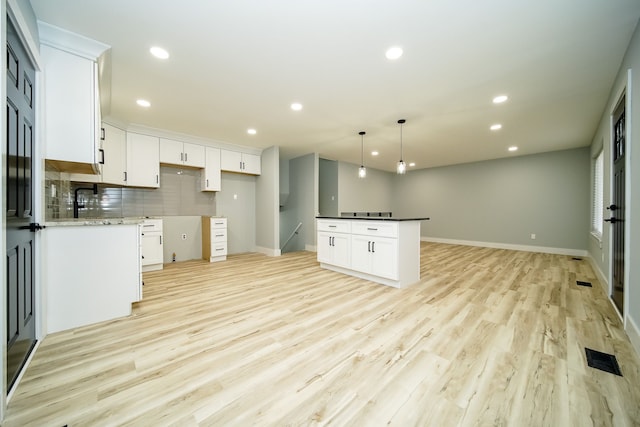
<point x="382" y="249"/>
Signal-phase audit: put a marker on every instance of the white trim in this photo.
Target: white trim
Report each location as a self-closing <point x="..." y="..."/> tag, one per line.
<point x="268" y="251"/>
<point x="599" y="274"/>
<point x="633" y="332"/>
<point x="526" y="248"/>
<point x="76" y="44"/>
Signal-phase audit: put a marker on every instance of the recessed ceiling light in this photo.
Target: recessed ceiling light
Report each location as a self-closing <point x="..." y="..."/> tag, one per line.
<point x="411" y="164"/>
<point x="374" y="153"/>
<point x="296" y="106"/>
<point x="513" y="148"/>
<point x="159" y="52"/>
<point x="497" y="126"/>
<point x="143" y="103"/>
<point x="500" y="99"/>
<point x="251" y="131"/>
<point x="394" y="52"/>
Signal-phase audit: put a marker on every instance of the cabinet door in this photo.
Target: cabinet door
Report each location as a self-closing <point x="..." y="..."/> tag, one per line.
<point x="342" y="250"/>
<point x="324" y="248"/>
<point x="114" y="148"/>
<point x="143" y="160"/>
<point x="361" y="253"/>
<point x="230" y="161"/>
<point x="152" y="248"/>
<point x="210" y="177"/>
<point x="171" y="152"/>
<point x="384" y="257"/>
<point x="69" y="106"/>
<point x="194" y="155"/>
<point x="251" y="164"/>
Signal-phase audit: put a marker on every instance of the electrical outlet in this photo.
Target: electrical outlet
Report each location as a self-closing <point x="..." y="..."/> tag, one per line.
<point x="184" y="236"/>
<point x="533" y="236"/>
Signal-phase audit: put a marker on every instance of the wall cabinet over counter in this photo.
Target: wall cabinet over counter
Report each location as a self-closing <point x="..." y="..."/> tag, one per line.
<point x="235" y="161"/>
<point x="72" y="106"/>
<point x="386" y="252"/>
<point x="143" y="160"/>
<point x="181" y="153"/>
<point x="211" y="179"/>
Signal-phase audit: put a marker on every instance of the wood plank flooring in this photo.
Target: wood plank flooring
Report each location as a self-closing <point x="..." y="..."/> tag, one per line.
<point x="488" y="337"/>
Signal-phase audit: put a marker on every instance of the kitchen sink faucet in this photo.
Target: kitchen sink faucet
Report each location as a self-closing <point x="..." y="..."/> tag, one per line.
<point x="76" y="205"/>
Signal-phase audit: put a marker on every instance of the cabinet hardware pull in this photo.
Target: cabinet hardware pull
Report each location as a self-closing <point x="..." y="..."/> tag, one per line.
<point x="368" y="246"/>
<point x="219" y="249"/>
<point x="101" y="150"/>
<point x="102" y="134"/>
<point x="185" y="156"/>
<point x="157" y="179"/>
<point x="125" y="176"/>
<point x="207" y="183"/>
<point x="219" y="235"/>
<point x="373" y="247"/>
<point x="181" y="157"/>
<point x="332" y="226"/>
<point x="160" y="239"/>
<point x="372" y="229"/>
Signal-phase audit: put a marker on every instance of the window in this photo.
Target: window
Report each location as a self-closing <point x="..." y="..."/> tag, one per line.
<point x="598" y="184"/>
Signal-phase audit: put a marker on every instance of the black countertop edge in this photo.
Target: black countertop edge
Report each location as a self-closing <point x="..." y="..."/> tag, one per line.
<point x="372" y="218"/>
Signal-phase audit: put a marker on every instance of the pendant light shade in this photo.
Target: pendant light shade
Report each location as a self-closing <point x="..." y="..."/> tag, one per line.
<point x="401" y="167"/>
<point x="362" y="172"/>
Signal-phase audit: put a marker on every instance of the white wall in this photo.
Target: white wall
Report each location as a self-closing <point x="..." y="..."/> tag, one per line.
<point x="267" y="203"/>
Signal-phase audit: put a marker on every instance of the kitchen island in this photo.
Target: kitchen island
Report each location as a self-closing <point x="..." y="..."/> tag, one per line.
<point x="92" y="271"/>
<point x="384" y="250"/>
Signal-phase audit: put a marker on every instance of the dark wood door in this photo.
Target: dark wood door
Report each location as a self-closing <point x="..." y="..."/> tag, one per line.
<point x="20" y="243"/>
<point x="617" y="207"/>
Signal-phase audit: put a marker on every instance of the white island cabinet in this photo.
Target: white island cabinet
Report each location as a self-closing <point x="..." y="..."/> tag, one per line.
<point x="91" y="272"/>
<point x="385" y="251"/>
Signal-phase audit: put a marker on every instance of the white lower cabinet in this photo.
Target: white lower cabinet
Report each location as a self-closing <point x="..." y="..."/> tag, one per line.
<point x="375" y="255"/>
<point x="214" y="238"/>
<point x="386" y="252"/>
<point x="152" y="245"/>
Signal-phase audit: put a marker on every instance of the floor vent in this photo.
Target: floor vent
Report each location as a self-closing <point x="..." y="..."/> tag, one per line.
<point x="603" y="361"/>
<point x="576" y="259"/>
<point x="580" y="283"/>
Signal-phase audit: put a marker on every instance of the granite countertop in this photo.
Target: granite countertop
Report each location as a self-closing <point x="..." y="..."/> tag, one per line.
<point x="373" y="218"/>
<point x="74" y="222"/>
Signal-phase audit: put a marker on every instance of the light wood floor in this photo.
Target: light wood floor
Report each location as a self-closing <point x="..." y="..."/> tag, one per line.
<point x="488" y="337"/>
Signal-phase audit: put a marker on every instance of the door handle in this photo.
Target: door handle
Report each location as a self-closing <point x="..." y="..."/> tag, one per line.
<point x="613" y="220"/>
<point x="612" y="207"/>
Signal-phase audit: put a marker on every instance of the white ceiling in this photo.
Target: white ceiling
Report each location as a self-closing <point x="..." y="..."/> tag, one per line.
<point x="237" y="64"/>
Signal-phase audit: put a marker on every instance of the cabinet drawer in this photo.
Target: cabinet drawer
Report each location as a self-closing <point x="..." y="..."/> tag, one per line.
<point x="218" y="249"/>
<point x="151" y="225"/>
<point x="219" y="235"/>
<point x="375" y="228"/>
<point x="335" y="226"/>
<point x="218" y="222"/>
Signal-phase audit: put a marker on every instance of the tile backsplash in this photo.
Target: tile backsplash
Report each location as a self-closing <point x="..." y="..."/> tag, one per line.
<point x="179" y="194"/>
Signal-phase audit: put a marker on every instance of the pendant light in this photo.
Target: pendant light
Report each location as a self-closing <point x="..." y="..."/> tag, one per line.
<point x="401" y="167"/>
<point x="362" y="172"/>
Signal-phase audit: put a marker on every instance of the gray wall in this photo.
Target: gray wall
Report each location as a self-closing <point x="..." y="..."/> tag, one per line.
<point x="371" y="194"/>
<point x="503" y="201"/>
<point x="601" y="250"/>
<point x="267" y="202"/>
<point x="328" y="187"/>
<point x="173" y="227"/>
<point x="237" y="202"/>
<point x="301" y="205"/>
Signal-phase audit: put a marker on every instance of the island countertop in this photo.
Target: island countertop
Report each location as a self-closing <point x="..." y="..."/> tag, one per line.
<point x="373" y="218"/>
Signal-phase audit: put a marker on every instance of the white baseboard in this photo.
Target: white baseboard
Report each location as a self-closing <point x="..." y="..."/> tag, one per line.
<point x="311" y="248"/>
<point x="268" y="251"/>
<point x="603" y="280"/>
<point x="634" y="334"/>
<point x="526" y="248"/>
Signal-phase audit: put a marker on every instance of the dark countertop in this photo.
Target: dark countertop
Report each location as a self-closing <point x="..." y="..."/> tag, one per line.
<point x="372" y="218"/>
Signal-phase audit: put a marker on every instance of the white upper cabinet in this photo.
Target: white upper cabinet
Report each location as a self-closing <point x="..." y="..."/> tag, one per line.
<point x="181" y="153"/>
<point x="143" y="160"/>
<point x="235" y="161"/>
<point x="211" y="180"/>
<point x="114" y="155"/>
<point x="72" y="107"/>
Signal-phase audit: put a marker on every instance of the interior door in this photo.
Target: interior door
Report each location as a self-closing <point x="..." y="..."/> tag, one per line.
<point x="20" y="242"/>
<point x="617" y="206"/>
